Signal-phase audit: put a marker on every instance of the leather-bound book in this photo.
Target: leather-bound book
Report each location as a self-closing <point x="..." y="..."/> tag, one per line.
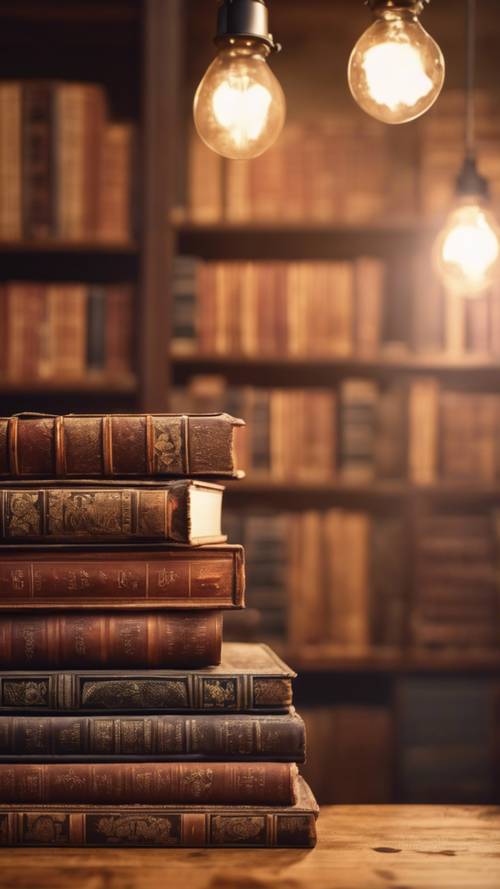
<point x="227" y="736"/>
<point x="163" y="826"/>
<point x="121" y="577"/>
<point x="249" y="679"/>
<point x="123" y="639"/>
<point x="177" y="512"/>
<point x="152" y="783"/>
<point x="38" y="160"/>
<point x="90" y="446"/>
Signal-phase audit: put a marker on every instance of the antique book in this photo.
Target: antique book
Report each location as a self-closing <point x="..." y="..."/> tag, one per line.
<point x="228" y="736"/>
<point x="164" y="826"/>
<point x="121" y="577"/>
<point x="178" y="512"/>
<point x="122" y="639"/>
<point x="38" y="160"/>
<point x="115" y="167"/>
<point x="152" y="783"/>
<point x="118" y="445"/>
<point x="249" y="679"/>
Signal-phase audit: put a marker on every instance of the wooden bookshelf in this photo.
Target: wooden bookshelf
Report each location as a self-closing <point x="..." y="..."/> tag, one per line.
<point x="131" y="49"/>
<point x="58" y="246"/>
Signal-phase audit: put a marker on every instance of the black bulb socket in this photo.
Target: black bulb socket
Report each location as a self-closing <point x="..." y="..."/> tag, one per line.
<point x="244" y="20"/>
<point x="470" y="183"/>
<point x="415" y="7"/>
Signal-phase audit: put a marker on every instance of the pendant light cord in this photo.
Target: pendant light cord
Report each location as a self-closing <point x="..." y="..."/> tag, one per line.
<point x="470" y="47"/>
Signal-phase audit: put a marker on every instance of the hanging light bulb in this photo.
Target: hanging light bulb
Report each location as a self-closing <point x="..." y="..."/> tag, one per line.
<point x="467" y="250"/>
<point x="396" y="70"/>
<point x="239" y="106"/>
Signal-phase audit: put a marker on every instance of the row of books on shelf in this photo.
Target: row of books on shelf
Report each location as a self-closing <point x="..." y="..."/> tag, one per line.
<point x="360" y="430"/>
<point x="446" y="749"/>
<point x="359" y="592"/>
<point x="322" y="309"/>
<point x="65" y="168"/>
<point x="65" y="331"/>
<point x="317" y="172"/>
<point x="278" y="308"/>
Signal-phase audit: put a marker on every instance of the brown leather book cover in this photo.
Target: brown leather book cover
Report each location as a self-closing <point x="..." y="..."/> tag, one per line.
<point x="38" y="160"/>
<point x="248" y="679"/>
<point x="154" y="783"/>
<point x="122" y="577"/>
<point x="123" y="639"/>
<point x="164" y="826"/>
<point x="154" y="737"/>
<point x="118" y="446"/>
<point x="178" y="512"/>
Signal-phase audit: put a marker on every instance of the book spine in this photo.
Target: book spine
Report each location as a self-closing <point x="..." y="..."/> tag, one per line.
<point x="83" y="515"/>
<point x="37" y="161"/>
<point x="130" y="692"/>
<point x="114" y="210"/>
<point x="118" y="446"/>
<point x="172" y="737"/>
<point x="216" y="783"/>
<point x="124" y="639"/>
<point x="147" y="827"/>
<point x="119" y="330"/>
<point x="10" y="161"/>
<point x="96" y="329"/>
<point x="117" y="579"/>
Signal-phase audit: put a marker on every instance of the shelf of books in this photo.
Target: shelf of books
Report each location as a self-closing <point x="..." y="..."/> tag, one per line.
<point x="304" y="299"/>
<point x="79" y="213"/>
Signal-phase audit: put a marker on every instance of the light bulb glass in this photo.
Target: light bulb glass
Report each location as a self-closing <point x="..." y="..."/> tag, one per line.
<point x="239" y="106"/>
<point x="467" y="250"/>
<point x="396" y="70"/>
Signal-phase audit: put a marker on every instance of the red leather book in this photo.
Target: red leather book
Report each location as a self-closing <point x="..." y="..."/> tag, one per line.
<point x="164" y="783"/>
<point x="122" y="577"/>
<point x="163" y="826"/>
<point x="122" y="639"/>
<point x="119" y="446"/>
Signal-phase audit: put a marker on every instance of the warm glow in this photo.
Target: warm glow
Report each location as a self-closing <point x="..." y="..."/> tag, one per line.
<point x="242" y="108"/>
<point x="396" y="69"/>
<point x="395" y="75"/>
<point x="239" y="107"/>
<point x="467" y="250"/>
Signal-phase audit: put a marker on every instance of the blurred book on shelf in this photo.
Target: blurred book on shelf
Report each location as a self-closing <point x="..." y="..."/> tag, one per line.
<point x="66" y="331"/>
<point x="65" y="169"/>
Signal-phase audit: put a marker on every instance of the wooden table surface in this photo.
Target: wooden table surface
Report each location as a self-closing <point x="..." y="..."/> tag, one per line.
<point x="360" y="847"/>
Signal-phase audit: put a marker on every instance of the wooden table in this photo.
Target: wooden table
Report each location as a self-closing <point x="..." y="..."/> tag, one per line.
<point x="360" y="847"/>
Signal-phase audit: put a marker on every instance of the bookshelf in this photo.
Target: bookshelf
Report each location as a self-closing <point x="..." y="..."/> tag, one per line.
<point x="130" y="49"/>
<point x="357" y="690"/>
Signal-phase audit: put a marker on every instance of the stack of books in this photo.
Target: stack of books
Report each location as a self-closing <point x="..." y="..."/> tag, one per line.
<point x="125" y="720"/>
